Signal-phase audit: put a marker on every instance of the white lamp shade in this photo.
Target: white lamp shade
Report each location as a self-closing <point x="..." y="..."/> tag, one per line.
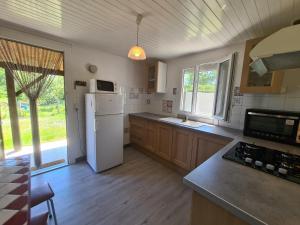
<point x="137" y="53"/>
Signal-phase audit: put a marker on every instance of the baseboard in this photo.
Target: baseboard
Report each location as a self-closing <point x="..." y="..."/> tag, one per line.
<point x="80" y="159"/>
<point x="127" y="145"/>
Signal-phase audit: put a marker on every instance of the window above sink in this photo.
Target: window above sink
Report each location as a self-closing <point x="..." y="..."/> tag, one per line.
<point x="206" y="89"/>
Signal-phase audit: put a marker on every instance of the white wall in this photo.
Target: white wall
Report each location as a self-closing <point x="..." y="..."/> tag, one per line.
<point x="130" y="75"/>
<point x="290" y="100"/>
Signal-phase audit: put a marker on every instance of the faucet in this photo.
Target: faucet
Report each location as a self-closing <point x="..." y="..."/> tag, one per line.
<point x="185" y="118"/>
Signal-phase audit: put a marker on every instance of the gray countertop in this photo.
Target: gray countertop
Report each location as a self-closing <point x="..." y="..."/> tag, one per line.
<point x="221" y="131"/>
<point x="253" y="196"/>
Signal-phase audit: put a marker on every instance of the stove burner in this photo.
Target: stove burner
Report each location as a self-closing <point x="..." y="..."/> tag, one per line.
<point x="284" y="165"/>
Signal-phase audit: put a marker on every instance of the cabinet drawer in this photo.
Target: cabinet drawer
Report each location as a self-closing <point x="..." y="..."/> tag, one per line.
<point x="137" y="121"/>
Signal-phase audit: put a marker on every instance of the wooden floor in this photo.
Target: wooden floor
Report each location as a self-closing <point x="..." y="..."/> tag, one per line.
<point x="140" y="192"/>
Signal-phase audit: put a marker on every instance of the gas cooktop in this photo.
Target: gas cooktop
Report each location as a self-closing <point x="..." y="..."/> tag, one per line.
<point x="280" y="164"/>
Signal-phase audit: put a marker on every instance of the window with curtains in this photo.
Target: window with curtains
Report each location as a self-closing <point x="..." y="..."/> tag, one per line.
<point x="206" y="89"/>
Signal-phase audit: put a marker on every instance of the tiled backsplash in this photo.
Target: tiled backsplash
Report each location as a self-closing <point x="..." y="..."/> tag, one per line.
<point x="289" y="100"/>
<point x="167" y="106"/>
<point x="162" y="104"/>
<point x="135" y="100"/>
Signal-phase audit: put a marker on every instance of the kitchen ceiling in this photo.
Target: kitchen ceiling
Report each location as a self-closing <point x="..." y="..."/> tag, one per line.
<point x="170" y="28"/>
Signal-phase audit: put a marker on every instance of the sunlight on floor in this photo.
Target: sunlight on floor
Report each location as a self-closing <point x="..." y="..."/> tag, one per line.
<point x="51" y="152"/>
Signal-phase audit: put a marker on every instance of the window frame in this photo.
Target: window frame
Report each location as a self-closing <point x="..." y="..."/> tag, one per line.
<point x="230" y="78"/>
<point x="228" y="95"/>
<point x="182" y="91"/>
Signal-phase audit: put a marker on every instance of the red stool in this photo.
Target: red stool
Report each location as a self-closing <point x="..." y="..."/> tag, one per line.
<point x="41" y="194"/>
<point x="40" y="219"/>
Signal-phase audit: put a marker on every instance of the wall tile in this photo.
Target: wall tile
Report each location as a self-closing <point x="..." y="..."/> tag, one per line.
<point x="292" y="104"/>
<point x="275" y="102"/>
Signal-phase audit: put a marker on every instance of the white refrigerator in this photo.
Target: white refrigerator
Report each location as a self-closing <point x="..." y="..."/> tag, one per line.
<point x="104" y="130"/>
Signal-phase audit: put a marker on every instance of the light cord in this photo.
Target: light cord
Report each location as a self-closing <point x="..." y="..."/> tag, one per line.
<point x="137" y="35"/>
<point x="138" y="22"/>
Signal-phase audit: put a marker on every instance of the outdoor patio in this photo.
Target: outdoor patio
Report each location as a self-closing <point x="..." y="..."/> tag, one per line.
<point x="53" y="154"/>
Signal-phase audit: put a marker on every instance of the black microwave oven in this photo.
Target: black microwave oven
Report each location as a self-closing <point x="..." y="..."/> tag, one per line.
<point x="279" y="126"/>
<point x="103" y="86"/>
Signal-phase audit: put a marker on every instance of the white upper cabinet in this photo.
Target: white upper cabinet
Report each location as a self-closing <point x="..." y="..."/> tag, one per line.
<point x="157" y="77"/>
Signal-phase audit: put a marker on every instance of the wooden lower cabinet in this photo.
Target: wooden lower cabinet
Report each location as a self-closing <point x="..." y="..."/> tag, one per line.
<point x="137" y="131"/>
<point x="204" y="146"/>
<point x="150" y="136"/>
<point x="182" y="148"/>
<point x="164" y="141"/>
<point x="205" y="212"/>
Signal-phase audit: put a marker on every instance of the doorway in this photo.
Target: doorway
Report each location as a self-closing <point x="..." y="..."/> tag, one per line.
<point x="52" y="124"/>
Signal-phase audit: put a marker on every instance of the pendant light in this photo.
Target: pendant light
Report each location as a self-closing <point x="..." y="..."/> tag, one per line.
<point x="136" y="52"/>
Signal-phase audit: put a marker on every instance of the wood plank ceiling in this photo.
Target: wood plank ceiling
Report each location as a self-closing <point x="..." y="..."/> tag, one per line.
<point x="170" y="28"/>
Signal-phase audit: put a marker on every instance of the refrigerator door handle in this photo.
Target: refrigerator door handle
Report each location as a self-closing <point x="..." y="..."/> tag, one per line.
<point x="95" y="125"/>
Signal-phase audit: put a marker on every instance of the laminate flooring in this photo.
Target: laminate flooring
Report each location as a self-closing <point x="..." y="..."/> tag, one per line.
<point x="139" y="192"/>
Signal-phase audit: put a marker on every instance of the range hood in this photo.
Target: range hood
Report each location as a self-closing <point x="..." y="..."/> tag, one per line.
<point x="279" y="51"/>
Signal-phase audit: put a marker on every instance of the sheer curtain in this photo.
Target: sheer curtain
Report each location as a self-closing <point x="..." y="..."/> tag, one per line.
<point x="33" y="69"/>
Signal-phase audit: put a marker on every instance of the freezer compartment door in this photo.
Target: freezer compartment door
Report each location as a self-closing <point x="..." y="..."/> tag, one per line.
<point x="109" y="141"/>
<point x="107" y="104"/>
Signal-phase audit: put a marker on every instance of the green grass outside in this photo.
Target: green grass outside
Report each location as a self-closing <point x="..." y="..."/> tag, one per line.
<point x="51" y="114"/>
<point x="52" y="126"/>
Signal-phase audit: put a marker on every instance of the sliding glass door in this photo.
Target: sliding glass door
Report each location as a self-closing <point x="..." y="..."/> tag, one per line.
<point x="52" y="123"/>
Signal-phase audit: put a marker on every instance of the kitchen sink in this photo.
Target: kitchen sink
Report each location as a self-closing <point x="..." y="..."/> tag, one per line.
<point x="188" y="123"/>
<point x="191" y="123"/>
<point x="171" y="119"/>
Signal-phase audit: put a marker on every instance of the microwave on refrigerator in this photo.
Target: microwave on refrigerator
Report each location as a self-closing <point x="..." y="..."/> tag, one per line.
<point x="279" y="126"/>
<point x="103" y="86"/>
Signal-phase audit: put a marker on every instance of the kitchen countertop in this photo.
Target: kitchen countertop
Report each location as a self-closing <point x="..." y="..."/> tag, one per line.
<point x="221" y="131"/>
<point x="254" y="196"/>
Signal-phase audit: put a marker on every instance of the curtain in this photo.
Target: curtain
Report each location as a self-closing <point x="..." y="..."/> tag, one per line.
<point x="2" y="155"/>
<point x="33" y="69"/>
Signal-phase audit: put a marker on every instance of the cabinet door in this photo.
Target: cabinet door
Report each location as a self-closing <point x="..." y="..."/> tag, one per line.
<point x="161" y="78"/>
<point x="182" y="148"/>
<point x="251" y="82"/>
<point x="157" y="77"/>
<point x="164" y="141"/>
<point x="150" y="136"/>
<point x="204" y="147"/>
<point x="137" y="131"/>
<point x="152" y="77"/>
